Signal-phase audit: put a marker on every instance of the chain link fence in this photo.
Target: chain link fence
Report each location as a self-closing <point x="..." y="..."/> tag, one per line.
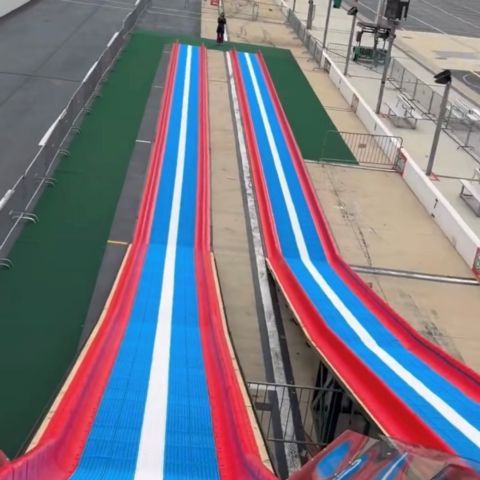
<point x="17" y="204"/>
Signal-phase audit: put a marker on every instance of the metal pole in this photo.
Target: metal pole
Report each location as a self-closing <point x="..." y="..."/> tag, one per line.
<point x="310" y="14"/>
<point x="380" y="11"/>
<point x="385" y="68"/>
<point x="436" y="137"/>
<point x="294" y="5"/>
<point x="350" y="42"/>
<point x="325" y="33"/>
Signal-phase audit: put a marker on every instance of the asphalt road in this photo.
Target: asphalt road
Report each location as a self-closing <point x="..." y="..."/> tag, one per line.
<point x="454" y="17"/>
<point x="46" y="48"/>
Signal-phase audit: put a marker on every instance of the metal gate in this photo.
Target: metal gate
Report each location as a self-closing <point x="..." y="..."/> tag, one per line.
<point x="365" y="148"/>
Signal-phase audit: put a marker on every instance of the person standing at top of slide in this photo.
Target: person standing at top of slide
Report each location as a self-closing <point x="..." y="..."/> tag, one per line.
<point x="221" y="22"/>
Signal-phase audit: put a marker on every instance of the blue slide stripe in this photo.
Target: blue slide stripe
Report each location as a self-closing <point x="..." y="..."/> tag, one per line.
<point x="112" y="446"/>
<point x="464" y="405"/>
<point x="190" y="448"/>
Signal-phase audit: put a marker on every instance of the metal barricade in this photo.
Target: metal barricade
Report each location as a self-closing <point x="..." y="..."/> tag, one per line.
<point x="378" y="150"/>
<point x="254" y="10"/>
<point x="18" y="202"/>
<point x="318" y="415"/>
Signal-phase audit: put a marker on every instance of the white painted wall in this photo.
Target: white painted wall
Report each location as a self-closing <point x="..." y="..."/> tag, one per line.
<point x="453" y="226"/>
<point x="7" y="6"/>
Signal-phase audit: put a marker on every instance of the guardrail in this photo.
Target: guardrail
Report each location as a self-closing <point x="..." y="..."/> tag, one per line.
<point x="317" y="414"/>
<point x="18" y="202"/>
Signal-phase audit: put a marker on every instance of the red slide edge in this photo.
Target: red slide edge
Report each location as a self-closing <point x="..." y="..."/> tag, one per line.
<point x="389" y="411"/>
<point x="237" y="451"/>
<point x="457" y="373"/>
<point x="60" y="447"/>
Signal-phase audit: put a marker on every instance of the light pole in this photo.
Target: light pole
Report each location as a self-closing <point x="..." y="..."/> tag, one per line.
<point x="325" y="33"/>
<point x="442" y="78"/>
<point x="353" y="11"/>
<point x="380" y="11"/>
<point x="391" y="38"/>
<point x="394" y="11"/>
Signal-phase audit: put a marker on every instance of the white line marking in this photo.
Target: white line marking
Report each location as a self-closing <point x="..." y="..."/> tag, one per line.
<point x="92" y="4"/>
<point x="90" y="72"/>
<point x="114" y="36"/>
<point x="47" y="134"/>
<point x="143" y="141"/>
<point x="150" y="461"/>
<point x="291" y="452"/>
<point x="437" y="7"/>
<point x="445" y="410"/>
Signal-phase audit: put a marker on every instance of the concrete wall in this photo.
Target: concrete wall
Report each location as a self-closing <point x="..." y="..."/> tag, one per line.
<point x="6" y="6"/>
<point x="453" y="226"/>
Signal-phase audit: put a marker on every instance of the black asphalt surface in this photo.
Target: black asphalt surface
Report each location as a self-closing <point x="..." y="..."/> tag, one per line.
<point x="470" y="79"/>
<point x="46" y="48"/>
<point x="173" y="17"/>
<point x="454" y="17"/>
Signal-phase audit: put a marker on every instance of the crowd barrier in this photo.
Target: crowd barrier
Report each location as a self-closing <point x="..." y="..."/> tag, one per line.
<point x="465" y="241"/>
<point x="462" y="120"/>
<point x="18" y="202"/>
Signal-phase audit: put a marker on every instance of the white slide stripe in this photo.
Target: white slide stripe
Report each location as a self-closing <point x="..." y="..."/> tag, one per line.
<point x="444" y="409"/>
<point x="150" y="460"/>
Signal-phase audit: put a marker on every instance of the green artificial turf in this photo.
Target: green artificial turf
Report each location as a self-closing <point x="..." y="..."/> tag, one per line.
<point x="307" y="116"/>
<point x="44" y="299"/>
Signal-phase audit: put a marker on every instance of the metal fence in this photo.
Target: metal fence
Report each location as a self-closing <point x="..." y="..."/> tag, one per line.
<point x="379" y="150"/>
<point x="418" y="91"/>
<point x="318" y="415"/>
<point x="255" y="10"/>
<point x="462" y="121"/>
<point x="313" y="45"/>
<point x="17" y="204"/>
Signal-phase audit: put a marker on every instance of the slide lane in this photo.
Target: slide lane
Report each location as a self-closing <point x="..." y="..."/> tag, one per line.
<point x="412" y="389"/>
<point x="155" y="407"/>
<point x="156" y="393"/>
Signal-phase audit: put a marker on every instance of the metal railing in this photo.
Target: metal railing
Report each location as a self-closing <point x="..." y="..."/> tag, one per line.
<point x="255" y="10"/>
<point x="462" y="121"/>
<point x="313" y="45"/>
<point x="318" y="415"/>
<point x="18" y="202"/>
<point x="377" y="150"/>
<point x="418" y="91"/>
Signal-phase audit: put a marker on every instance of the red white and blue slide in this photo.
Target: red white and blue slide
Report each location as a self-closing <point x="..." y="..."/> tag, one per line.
<point x="411" y="388"/>
<point x="156" y="392"/>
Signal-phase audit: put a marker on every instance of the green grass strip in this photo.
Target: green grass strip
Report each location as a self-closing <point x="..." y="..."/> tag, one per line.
<point x="44" y="299"/>
<point x="307" y="116"/>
